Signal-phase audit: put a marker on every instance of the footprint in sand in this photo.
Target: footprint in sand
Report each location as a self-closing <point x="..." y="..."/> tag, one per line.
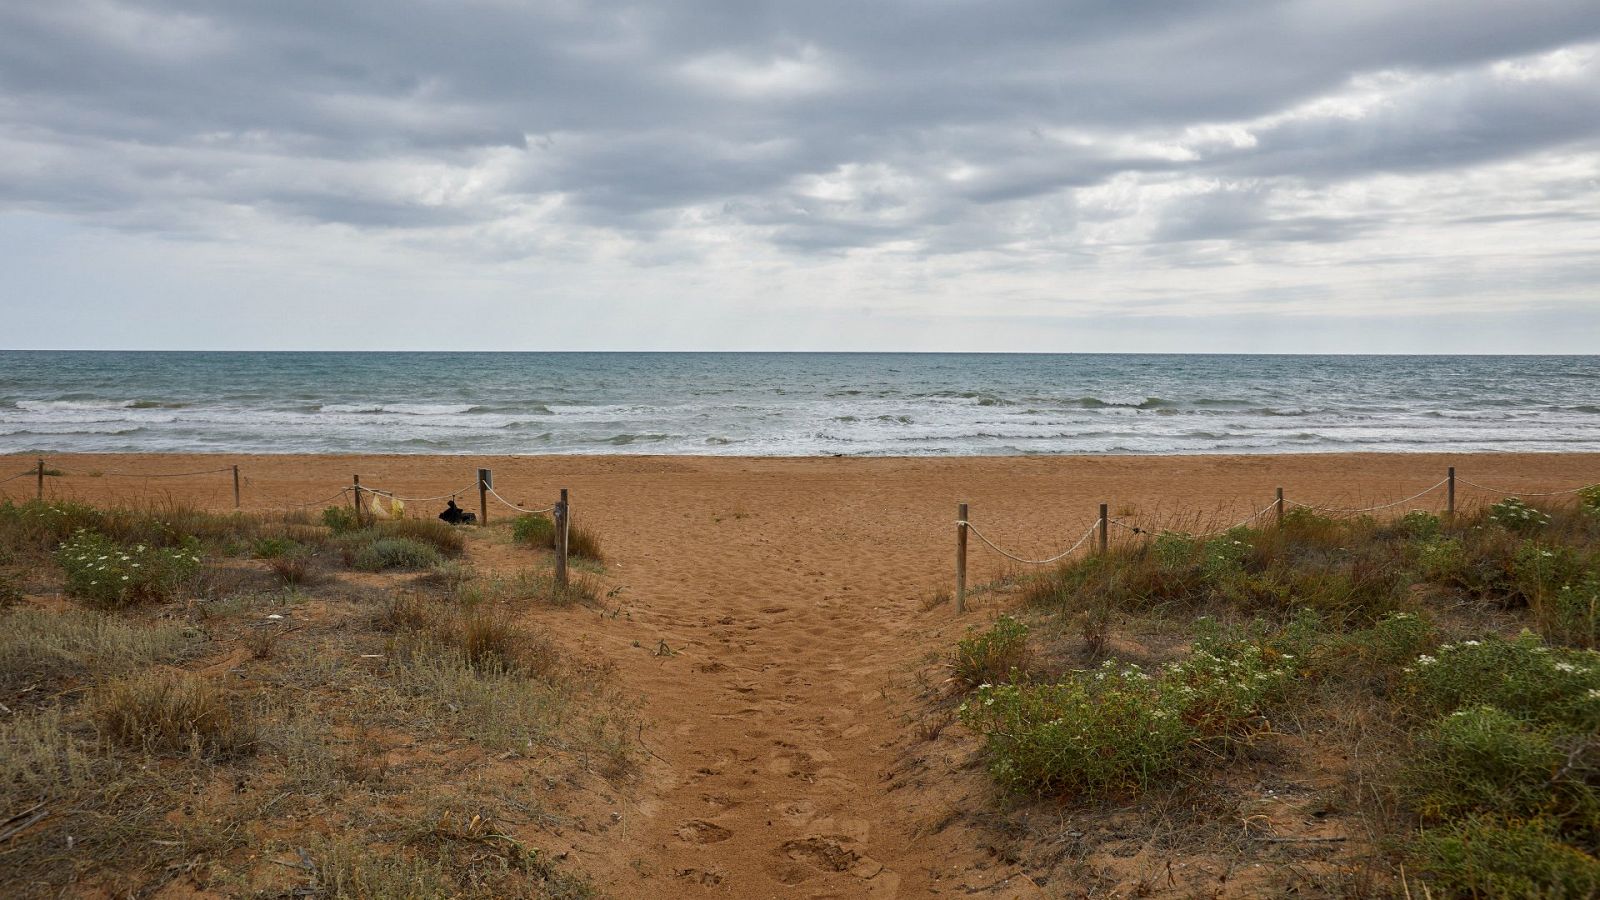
<point x="699" y="831"/>
<point x="699" y="876"/>
<point x="807" y="857"/>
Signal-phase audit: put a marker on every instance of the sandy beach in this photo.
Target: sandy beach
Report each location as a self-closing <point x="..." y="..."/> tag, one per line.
<point x="792" y="593"/>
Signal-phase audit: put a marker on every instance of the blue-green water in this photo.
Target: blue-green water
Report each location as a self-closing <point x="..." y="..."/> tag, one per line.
<point x="791" y="404"/>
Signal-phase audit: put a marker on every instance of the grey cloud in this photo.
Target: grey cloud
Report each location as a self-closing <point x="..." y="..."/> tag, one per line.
<point x="182" y="101"/>
<point x="1241" y="212"/>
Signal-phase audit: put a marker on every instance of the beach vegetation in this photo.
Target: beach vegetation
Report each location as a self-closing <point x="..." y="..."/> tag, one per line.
<point x="1513" y="514"/>
<point x="107" y="573"/>
<point x="156" y="739"/>
<point x="997" y="654"/>
<point x="538" y="530"/>
<point x="340" y="519"/>
<point x="1518" y="859"/>
<point x="1448" y="664"/>
<point x="171" y="712"/>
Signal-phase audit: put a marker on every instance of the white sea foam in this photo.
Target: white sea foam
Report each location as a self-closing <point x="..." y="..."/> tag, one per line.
<point x="790" y="404"/>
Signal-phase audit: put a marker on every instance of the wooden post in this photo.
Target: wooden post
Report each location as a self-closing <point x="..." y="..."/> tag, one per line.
<point x="1279" y="507"/>
<point x="961" y="558"/>
<point x="40" y="493"/>
<point x="563" y="515"/>
<point x="485" y="481"/>
<point x="1105" y="528"/>
<point x="1450" y="494"/>
<point x="355" y="483"/>
<point x="235" y="487"/>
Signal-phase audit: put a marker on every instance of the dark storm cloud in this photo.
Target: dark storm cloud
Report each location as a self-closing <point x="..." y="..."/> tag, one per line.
<point x="822" y="126"/>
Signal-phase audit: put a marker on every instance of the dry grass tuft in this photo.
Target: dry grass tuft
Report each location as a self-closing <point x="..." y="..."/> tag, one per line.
<point x="39" y="647"/>
<point x="294" y="568"/>
<point x="172" y="712"/>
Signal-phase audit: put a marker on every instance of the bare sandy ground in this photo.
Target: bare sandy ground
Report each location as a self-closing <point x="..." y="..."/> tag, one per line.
<point x="772" y="615"/>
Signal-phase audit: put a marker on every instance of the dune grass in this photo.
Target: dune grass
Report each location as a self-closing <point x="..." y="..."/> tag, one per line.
<point x="1411" y="623"/>
<point x="150" y="737"/>
<point x="538" y="530"/>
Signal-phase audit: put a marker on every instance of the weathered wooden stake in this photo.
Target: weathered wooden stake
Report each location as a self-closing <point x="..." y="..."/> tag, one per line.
<point x="355" y="483"/>
<point x="235" y="487"/>
<point x="563" y="516"/>
<point x="485" y="481"/>
<point x="40" y="494"/>
<point x="1278" y="506"/>
<point x="961" y="558"/>
<point x="1105" y="527"/>
<point x="1450" y="493"/>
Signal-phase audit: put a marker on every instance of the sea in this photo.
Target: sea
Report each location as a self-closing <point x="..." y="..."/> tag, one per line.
<point x="791" y="404"/>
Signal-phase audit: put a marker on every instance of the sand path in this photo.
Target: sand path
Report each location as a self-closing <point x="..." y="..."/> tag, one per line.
<point x="772" y="617"/>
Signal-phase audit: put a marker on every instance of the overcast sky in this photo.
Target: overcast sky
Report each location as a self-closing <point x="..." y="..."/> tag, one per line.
<point x="1165" y="175"/>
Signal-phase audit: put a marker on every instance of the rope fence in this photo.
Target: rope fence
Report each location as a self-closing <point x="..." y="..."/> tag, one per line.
<point x="1103" y="522"/>
<point x="964" y="526"/>
<point x="484" y="484"/>
<point x="496" y="494"/>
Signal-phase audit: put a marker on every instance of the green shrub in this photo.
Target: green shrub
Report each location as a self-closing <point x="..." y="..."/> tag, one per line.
<point x="378" y="554"/>
<point x="1523" y="677"/>
<point x="1441" y="559"/>
<point x="1484" y="760"/>
<point x="1589" y="497"/>
<point x="341" y="519"/>
<point x="42" y="525"/>
<point x="1395" y="639"/>
<point x="1485" y="857"/>
<point x="1418" y="525"/>
<point x="1514" y="515"/>
<point x="1116" y="728"/>
<point x="534" y="529"/>
<point x="999" y="654"/>
<point x="1110" y="731"/>
<point x="109" y="574"/>
<point x="1222" y="686"/>
<point x="1308" y="527"/>
<point x="1224" y="555"/>
<point x="1571" y="614"/>
<point x="275" y="547"/>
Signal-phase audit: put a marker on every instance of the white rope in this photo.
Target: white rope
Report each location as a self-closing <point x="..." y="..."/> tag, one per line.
<point x="342" y="492"/>
<point x="392" y="496"/>
<point x="1342" y="509"/>
<point x="1494" y="490"/>
<point x="497" y="496"/>
<point x="1244" y="521"/>
<point x="1032" y="562"/>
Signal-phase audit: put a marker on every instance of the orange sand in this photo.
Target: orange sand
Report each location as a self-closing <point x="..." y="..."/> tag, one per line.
<point x="791" y="592"/>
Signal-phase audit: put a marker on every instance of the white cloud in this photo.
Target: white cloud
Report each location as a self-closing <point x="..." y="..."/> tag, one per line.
<point x="750" y="165"/>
